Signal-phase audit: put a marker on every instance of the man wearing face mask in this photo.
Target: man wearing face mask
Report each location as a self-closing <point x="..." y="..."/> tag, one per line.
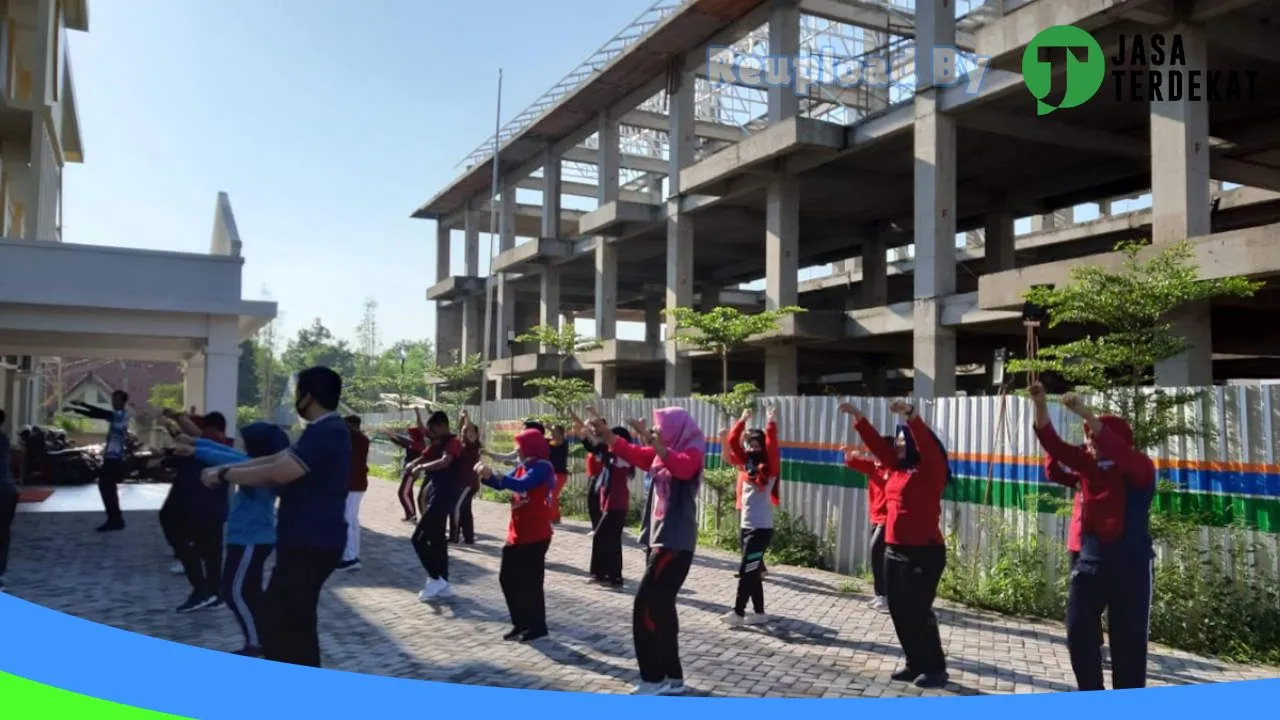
<point x="311" y="479"/>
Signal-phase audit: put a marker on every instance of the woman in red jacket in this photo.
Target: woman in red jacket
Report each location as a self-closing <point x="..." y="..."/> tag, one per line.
<point x="462" y="521"/>
<point x="524" y="557"/>
<point x="1112" y="558"/>
<point x="759" y="461"/>
<point x="915" y="552"/>
<point x="877" y="508"/>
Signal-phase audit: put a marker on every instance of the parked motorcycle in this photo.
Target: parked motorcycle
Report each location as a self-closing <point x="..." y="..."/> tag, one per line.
<point x="51" y="459"/>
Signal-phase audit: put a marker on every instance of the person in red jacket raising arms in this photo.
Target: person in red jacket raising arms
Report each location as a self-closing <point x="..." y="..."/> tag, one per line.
<point x="756" y="454"/>
<point x="915" y="552"/>
<point x="1112" y="559"/>
<point x="877" y="508"/>
<point x="524" y="557"/>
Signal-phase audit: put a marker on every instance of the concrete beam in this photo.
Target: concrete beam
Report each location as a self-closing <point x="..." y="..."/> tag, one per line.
<point x="456" y="287"/>
<point x="1004" y="39"/>
<point x="1250" y="252"/>
<point x="529" y="256"/>
<point x="578" y="189"/>
<point x="899" y="318"/>
<point x="783" y="139"/>
<point x="589" y="156"/>
<point x="879" y="17"/>
<point x="613" y="219"/>
<point x="621" y="352"/>
<point x="649" y="120"/>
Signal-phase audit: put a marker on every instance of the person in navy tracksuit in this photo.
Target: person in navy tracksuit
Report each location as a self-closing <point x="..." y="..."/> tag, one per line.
<point x="1112" y="558"/>
<point x="198" y="515"/>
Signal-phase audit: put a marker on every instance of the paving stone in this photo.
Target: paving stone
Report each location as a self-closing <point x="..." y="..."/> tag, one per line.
<point x="824" y="642"/>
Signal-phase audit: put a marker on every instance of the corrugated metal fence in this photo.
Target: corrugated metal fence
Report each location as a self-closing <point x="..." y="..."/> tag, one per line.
<point x="1228" y="480"/>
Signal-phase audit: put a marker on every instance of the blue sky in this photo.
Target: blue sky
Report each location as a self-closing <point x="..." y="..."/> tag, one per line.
<point x="328" y="122"/>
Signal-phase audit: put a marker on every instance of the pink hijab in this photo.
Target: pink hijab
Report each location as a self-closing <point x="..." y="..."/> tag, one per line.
<point x="679" y="432"/>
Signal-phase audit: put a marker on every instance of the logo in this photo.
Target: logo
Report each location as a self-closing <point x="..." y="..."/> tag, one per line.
<point x="1077" y="53"/>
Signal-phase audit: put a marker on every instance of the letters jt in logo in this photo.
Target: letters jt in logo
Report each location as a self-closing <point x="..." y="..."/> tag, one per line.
<point x="1063" y="67"/>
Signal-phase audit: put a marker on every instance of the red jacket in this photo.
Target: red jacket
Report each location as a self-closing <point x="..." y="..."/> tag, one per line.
<point x="913" y="498"/>
<point x="1102" y="486"/>
<point x="877" y="476"/>
<point x="359" y="462"/>
<point x="531" y="485"/>
<point x="770" y="470"/>
<point x="615" y="494"/>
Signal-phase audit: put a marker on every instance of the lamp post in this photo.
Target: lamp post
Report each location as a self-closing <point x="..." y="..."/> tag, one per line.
<point x="511" y="366"/>
<point x="404" y="355"/>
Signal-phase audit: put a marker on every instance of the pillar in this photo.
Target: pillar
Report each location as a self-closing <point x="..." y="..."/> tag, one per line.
<point x="550" y="195"/>
<point x="679" y="289"/>
<point x="606" y="297"/>
<point x="1180" y="198"/>
<point x="999" y="242"/>
<point x="471" y="244"/>
<point x="784" y="41"/>
<point x="875" y="380"/>
<point x="549" y="307"/>
<point x="448" y="333"/>
<point x="652" y="318"/>
<point x="504" y="321"/>
<point x="193" y="383"/>
<point x="875" y="270"/>
<point x="782" y="270"/>
<point x="1104" y="208"/>
<point x="444" y="249"/>
<point x="222" y="370"/>
<point x="934" y="345"/>
<point x="709" y="296"/>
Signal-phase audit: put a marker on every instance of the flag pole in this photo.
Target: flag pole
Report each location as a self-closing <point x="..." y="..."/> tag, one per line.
<point x="488" y="280"/>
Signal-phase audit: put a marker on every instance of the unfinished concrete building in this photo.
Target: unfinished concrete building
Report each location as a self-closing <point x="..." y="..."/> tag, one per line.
<point x="905" y="194"/>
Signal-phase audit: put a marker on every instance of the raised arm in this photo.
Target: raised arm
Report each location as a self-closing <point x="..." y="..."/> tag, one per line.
<point x="932" y="458"/>
<point x="91" y="411"/>
<point x="772" y="448"/>
<point x="1058" y="474"/>
<point x="536" y="474"/>
<point x="1054" y="446"/>
<point x="858" y="463"/>
<point x="640" y="456"/>
<point x="1138" y="468"/>
<point x="733" y="442"/>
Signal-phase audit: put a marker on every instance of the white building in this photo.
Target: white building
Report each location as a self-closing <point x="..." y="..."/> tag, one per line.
<point x="59" y="299"/>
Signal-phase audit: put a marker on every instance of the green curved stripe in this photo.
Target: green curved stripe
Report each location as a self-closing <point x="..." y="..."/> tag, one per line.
<point x="28" y="700"/>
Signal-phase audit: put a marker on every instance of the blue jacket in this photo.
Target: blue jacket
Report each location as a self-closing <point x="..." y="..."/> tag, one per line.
<point x="252" y="517"/>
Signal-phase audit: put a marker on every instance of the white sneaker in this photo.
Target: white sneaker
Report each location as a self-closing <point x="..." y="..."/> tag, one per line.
<point x="756" y="619"/>
<point x="732" y="619"/>
<point x="445" y="590"/>
<point x="880" y="604"/>
<point x="176" y="568"/>
<point x="648" y="688"/>
<point x="430" y="590"/>
<point x="672" y="687"/>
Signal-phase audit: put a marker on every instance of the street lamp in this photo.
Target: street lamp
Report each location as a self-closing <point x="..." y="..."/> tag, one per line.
<point x="509" y="389"/>
<point x="404" y="355"/>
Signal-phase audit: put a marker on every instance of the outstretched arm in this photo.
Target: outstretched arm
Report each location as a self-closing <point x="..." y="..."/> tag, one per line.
<point x="1054" y="446"/>
<point x="1138" y="468"/>
<point x="932" y="459"/>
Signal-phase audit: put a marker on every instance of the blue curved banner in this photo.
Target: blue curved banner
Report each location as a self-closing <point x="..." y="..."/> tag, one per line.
<point x="45" y="651"/>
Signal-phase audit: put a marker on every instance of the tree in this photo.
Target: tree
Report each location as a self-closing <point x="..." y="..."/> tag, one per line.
<point x="247" y="392"/>
<point x="721" y="331"/>
<point x="167" y="396"/>
<point x="459" y="382"/>
<point x="1130" y="308"/>
<point x="408" y="378"/>
<point x="559" y="392"/>
<point x="316" y="345"/>
<point x="266" y="365"/>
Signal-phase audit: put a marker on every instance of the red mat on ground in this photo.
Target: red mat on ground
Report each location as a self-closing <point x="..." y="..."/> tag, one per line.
<point x="33" y="495"/>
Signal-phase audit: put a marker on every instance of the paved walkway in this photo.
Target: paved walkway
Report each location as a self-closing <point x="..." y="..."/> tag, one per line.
<point x="824" y="642"/>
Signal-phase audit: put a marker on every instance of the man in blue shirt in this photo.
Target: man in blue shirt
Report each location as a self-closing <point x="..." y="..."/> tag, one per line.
<point x="311" y="479"/>
<point x="8" y="501"/>
<point x="112" y="472"/>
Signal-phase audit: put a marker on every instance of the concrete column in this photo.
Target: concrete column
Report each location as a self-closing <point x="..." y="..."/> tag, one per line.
<point x="472" y="325"/>
<point x="875" y="271"/>
<point x="1180" y="198"/>
<point x="784" y="42"/>
<point x="874" y="378"/>
<point x="444" y="251"/>
<point x="999" y="242"/>
<point x="1104" y="208"/>
<point x="782" y="270"/>
<point x="222" y="371"/>
<point x="193" y="376"/>
<point x="679" y="290"/>
<point x="505" y="311"/>
<point x="549" y="308"/>
<point x="448" y="333"/>
<point x="934" y="345"/>
<point x="471" y="246"/>
<point x="551" y="195"/>
<point x="652" y="319"/>
<point x="708" y="297"/>
<point x="606" y="309"/>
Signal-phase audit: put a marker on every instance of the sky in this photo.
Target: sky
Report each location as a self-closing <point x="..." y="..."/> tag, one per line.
<point x="327" y="122"/>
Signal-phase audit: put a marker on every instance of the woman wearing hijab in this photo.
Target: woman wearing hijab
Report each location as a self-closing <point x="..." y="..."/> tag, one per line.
<point x="915" y="551"/>
<point x="612" y="498"/>
<point x="670" y="532"/>
<point x="524" y="557"/>
<point x="757" y="456"/>
<point x="1112" y="559"/>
